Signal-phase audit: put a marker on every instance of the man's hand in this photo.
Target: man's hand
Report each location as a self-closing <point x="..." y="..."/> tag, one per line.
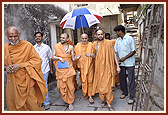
<point x="79" y="56"/>
<point x="118" y="69"/>
<point x="12" y="68"/>
<point x="62" y="60"/>
<point x="51" y="72"/>
<point x="92" y="55"/>
<point x="76" y="57"/>
<point x="87" y="54"/>
<point x="15" y="67"/>
<point x="119" y="62"/>
<point x="9" y="69"/>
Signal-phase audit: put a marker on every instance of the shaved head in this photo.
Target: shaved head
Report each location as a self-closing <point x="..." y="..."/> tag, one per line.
<point x="84" y="38"/>
<point x="13" y="35"/>
<point x="84" y="35"/>
<point x="67" y="35"/>
<point x="12" y="28"/>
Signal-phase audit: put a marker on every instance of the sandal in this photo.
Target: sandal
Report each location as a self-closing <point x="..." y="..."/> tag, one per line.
<point x="46" y="107"/>
<point x="85" y="97"/>
<point x="103" y="103"/>
<point x="70" y="106"/>
<point x="111" y="108"/>
<point x="91" y="101"/>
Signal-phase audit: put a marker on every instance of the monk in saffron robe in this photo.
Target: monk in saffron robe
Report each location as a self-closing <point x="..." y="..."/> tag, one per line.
<point x="85" y="65"/>
<point x="104" y="69"/>
<point x="25" y="89"/>
<point x="65" y="77"/>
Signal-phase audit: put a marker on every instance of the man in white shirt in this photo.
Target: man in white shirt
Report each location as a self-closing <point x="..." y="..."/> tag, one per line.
<point x="45" y="53"/>
<point x="125" y="49"/>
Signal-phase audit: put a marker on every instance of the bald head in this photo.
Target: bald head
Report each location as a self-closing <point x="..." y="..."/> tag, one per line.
<point x="12" y="28"/>
<point x="84" y="38"/>
<point x="67" y="35"/>
<point x="84" y="35"/>
<point x="13" y="35"/>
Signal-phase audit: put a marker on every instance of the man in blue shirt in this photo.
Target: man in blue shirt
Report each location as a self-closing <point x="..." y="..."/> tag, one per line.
<point x="125" y="49"/>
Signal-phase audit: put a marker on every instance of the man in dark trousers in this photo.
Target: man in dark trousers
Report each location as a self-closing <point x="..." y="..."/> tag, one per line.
<point x="125" y="49"/>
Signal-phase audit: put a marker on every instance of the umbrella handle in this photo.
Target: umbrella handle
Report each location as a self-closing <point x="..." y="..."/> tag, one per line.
<point x="81" y="24"/>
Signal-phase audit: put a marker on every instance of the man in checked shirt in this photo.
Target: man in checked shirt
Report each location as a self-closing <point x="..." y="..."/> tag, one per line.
<point x="45" y="53"/>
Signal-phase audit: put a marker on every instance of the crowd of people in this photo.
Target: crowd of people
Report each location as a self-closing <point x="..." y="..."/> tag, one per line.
<point x="103" y="64"/>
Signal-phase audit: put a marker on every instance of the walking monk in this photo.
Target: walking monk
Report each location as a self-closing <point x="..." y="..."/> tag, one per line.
<point x="25" y="89"/>
<point x="104" y="69"/>
<point x="85" y="65"/>
<point x="65" y="76"/>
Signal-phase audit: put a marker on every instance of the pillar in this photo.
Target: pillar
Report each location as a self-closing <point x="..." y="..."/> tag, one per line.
<point x="70" y="32"/>
<point x="53" y="35"/>
<point x="79" y="33"/>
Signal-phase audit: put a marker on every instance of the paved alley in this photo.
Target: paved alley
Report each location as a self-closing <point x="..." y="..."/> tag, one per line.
<point x="57" y="104"/>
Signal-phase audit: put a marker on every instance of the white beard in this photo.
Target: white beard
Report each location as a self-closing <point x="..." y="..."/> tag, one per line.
<point x="15" y="43"/>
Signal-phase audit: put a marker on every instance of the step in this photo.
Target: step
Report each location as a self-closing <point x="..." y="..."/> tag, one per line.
<point x="131" y="28"/>
<point x="131" y="31"/>
<point x="132" y="34"/>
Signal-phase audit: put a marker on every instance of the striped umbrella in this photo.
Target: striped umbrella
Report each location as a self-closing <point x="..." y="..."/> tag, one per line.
<point x="79" y="18"/>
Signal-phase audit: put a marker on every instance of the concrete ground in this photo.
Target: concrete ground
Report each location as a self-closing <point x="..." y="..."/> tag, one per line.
<point x="57" y="103"/>
<point x="156" y="102"/>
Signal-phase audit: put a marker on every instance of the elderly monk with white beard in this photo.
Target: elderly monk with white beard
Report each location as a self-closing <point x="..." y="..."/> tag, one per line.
<point x="25" y="89"/>
<point x="85" y="65"/>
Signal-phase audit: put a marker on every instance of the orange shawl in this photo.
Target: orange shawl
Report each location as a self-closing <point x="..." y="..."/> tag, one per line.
<point x="67" y="72"/>
<point x="104" y="67"/>
<point x="70" y="43"/>
<point x="86" y="66"/>
<point x="18" y="83"/>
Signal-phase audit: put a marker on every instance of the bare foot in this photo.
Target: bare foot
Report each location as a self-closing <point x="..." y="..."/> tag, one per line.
<point x="70" y="106"/>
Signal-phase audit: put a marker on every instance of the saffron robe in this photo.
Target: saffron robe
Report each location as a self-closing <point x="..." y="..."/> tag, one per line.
<point x="85" y="64"/>
<point x="70" y="43"/>
<point x="19" y="84"/>
<point x="65" y="77"/>
<point x="104" y="70"/>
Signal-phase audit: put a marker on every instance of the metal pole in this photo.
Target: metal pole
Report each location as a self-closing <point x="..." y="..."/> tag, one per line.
<point x="81" y="24"/>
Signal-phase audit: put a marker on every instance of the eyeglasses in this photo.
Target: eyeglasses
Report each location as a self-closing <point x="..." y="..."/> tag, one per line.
<point x="84" y="38"/>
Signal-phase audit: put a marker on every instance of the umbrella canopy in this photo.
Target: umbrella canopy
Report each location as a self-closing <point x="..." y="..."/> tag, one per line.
<point x="79" y="18"/>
